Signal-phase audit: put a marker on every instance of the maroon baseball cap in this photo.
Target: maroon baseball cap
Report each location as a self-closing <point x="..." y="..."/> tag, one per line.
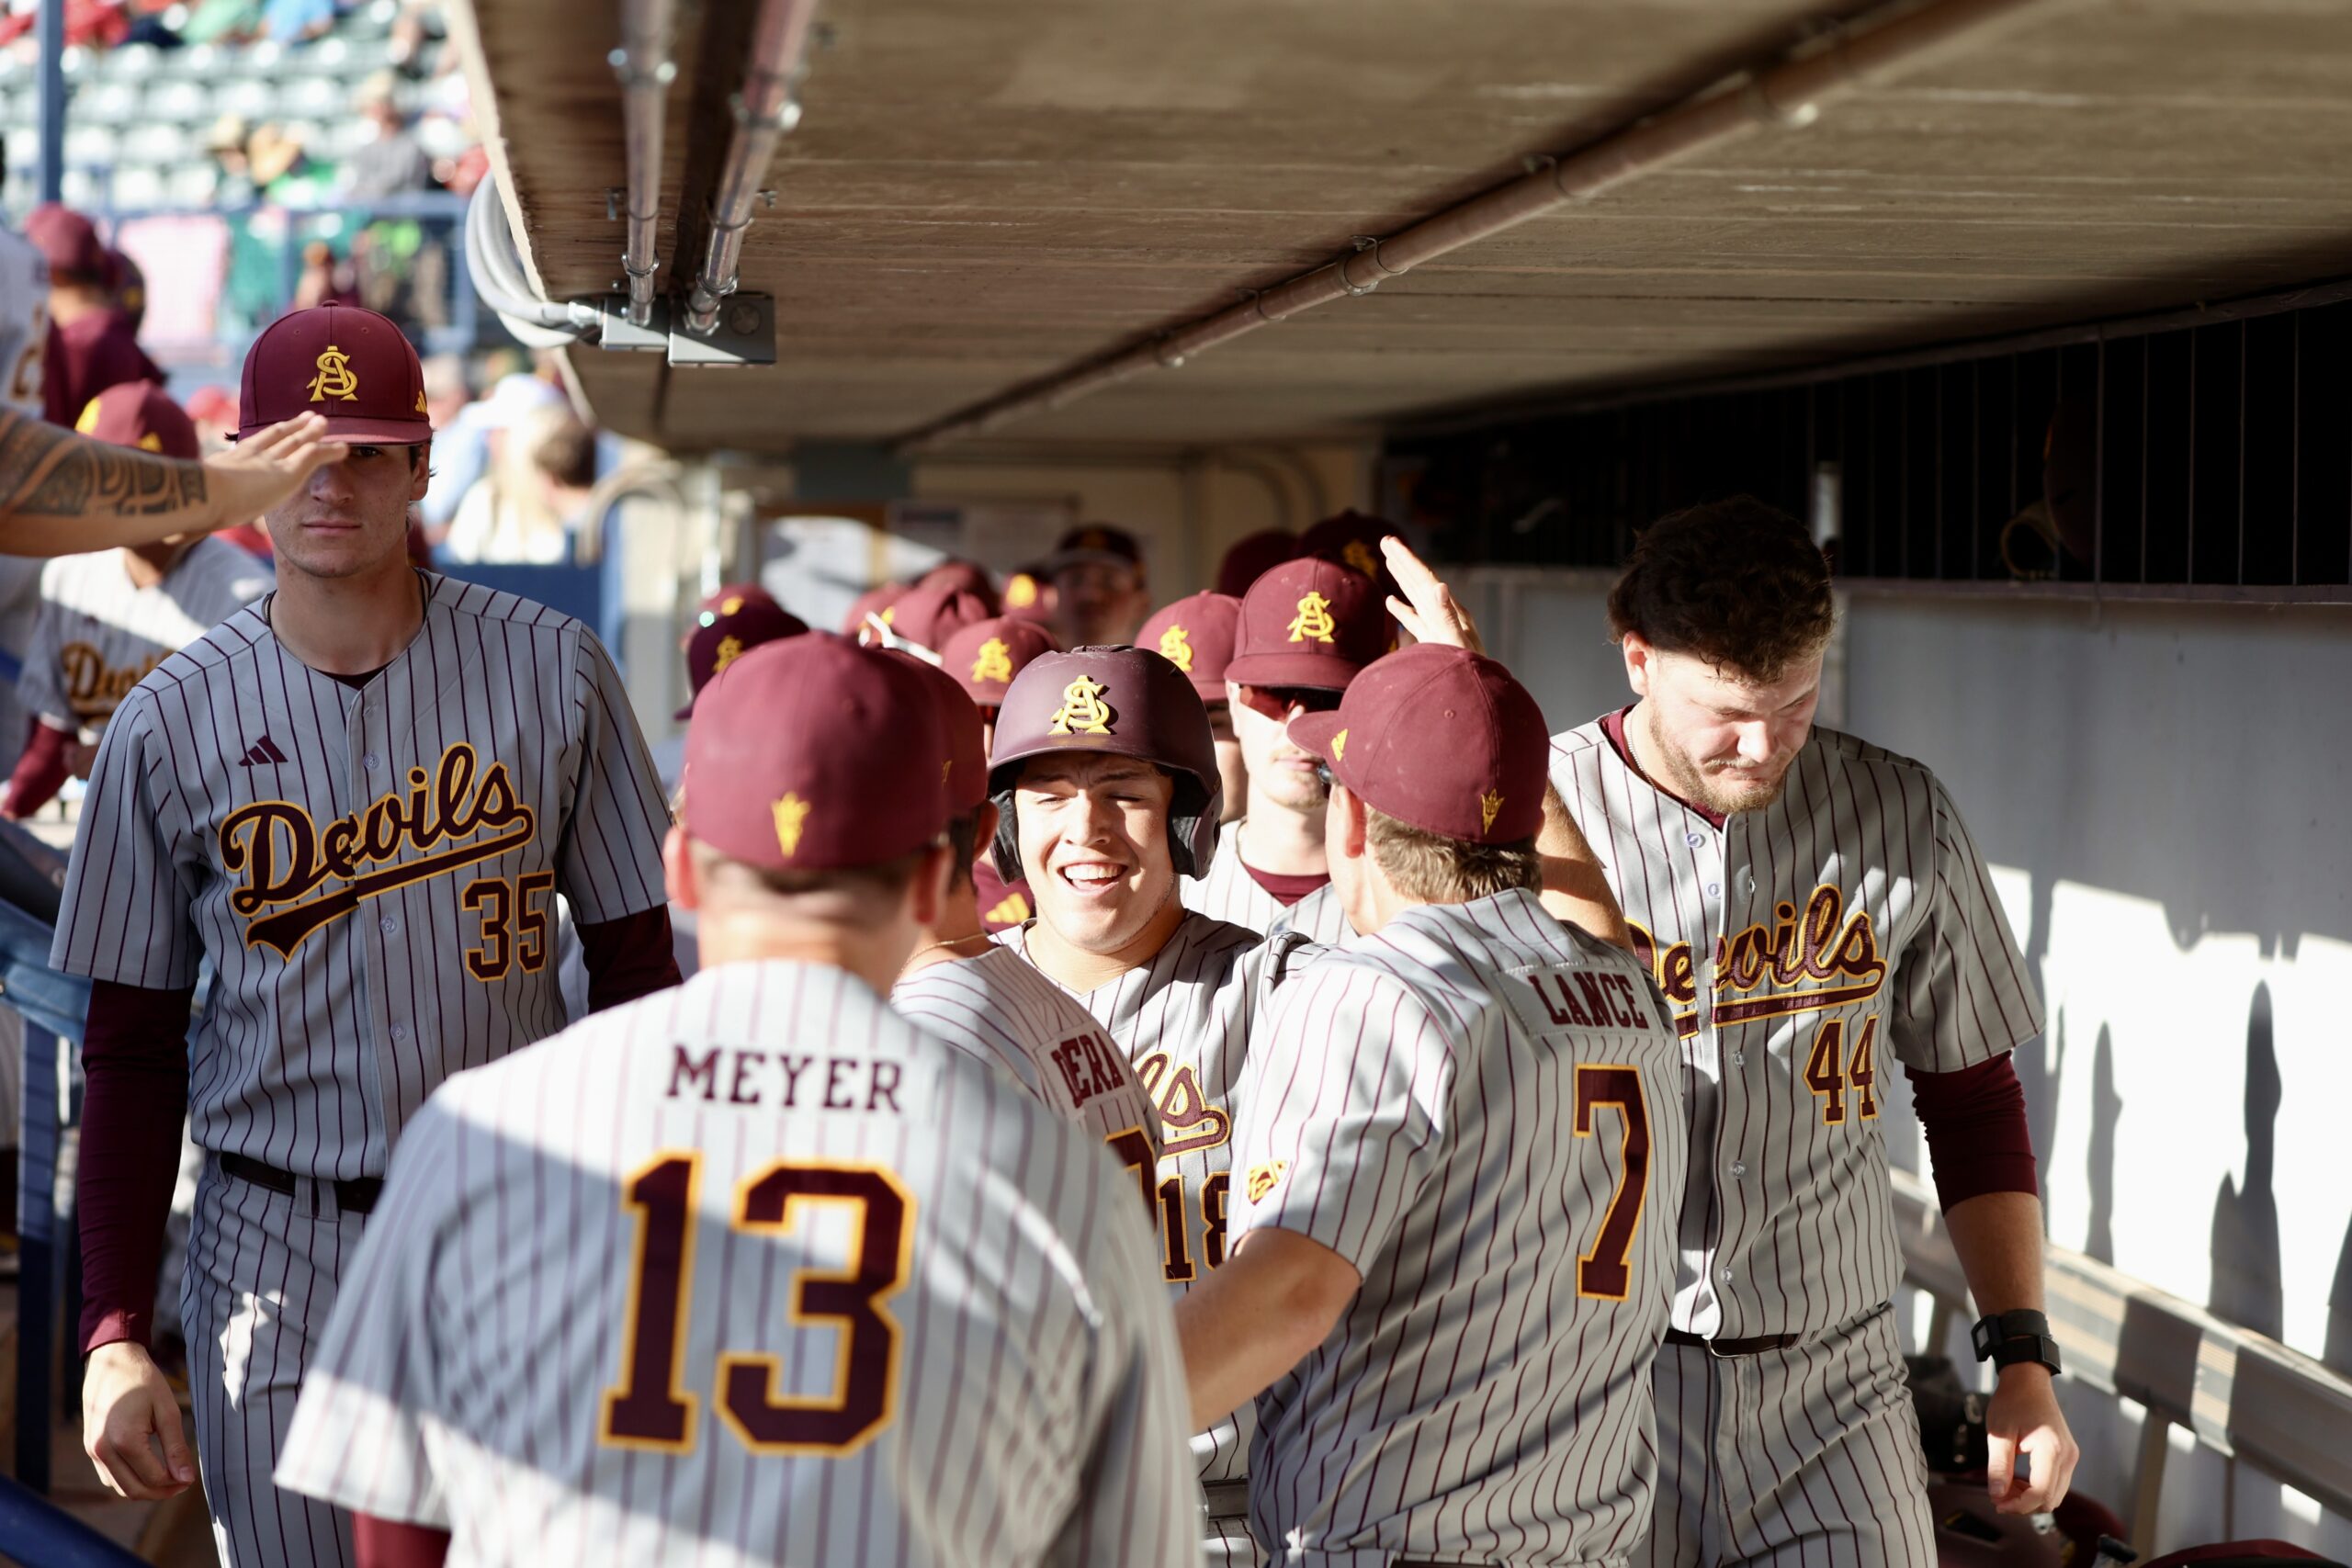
<point x="1308" y="623"/>
<point x="1195" y="634"/>
<point x="728" y="625"/>
<point x="961" y="574"/>
<point x="1026" y="595"/>
<point x="927" y="618"/>
<point x="1253" y="556"/>
<point x="985" y="656"/>
<point x="814" y="754"/>
<point x="344" y="361"/>
<point x="967" y="778"/>
<point x="1353" y="539"/>
<point x="1441" y="739"/>
<point x="68" y="241"/>
<point x="213" y="405"/>
<point x="1097" y="542"/>
<point x="879" y="601"/>
<point x="140" y="413"/>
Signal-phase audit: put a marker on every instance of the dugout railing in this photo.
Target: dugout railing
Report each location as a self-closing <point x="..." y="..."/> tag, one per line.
<point x="2240" y="1393"/>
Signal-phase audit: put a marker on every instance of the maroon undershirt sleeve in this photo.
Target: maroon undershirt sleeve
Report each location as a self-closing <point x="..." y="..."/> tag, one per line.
<point x="134" y="1055"/>
<point x="628" y="958"/>
<point x="389" y="1543"/>
<point x="40" y="773"/>
<point x="1978" y="1141"/>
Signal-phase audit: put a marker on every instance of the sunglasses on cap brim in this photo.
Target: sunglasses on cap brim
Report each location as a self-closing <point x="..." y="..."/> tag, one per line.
<point x="1276" y="701"/>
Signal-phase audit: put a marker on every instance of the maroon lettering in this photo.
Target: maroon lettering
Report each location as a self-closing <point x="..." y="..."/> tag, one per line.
<point x="793" y="1068"/>
<point x="682" y="1066"/>
<point x="833" y="1065"/>
<point x="882" y="1087"/>
<point x="744" y="1062"/>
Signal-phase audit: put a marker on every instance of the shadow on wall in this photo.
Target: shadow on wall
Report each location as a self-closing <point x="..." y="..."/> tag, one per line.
<point x="2107" y="1110"/>
<point x="2247" y="1289"/>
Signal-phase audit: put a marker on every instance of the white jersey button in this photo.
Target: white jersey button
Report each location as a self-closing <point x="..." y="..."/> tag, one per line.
<point x="370" y="761"/>
<point x="1714" y="889"/>
<point x="1726" y="1275"/>
<point x="400" y="1032"/>
<point x="1694" y="838"/>
<point x="389" y="925"/>
<point x="1739" y="1058"/>
<point x="1738" y="1167"/>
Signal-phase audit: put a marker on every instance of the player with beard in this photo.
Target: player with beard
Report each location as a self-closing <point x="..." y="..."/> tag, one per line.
<point x="1105" y="779"/>
<point x="1802" y="898"/>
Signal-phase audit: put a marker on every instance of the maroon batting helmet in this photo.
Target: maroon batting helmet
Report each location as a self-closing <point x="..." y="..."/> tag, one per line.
<point x="1124" y="702"/>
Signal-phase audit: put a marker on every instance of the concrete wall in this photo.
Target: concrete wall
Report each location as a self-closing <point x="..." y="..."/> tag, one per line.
<point x="2157" y="788"/>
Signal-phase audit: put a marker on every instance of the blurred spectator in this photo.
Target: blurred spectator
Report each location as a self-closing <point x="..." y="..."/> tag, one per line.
<point x="523" y="509"/>
<point x="213" y="411"/>
<point x="1100" y="596"/>
<point x="89" y="24"/>
<point x="282" y="172"/>
<point x="221" y="21"/>
<point x="326" y="279"/>
<point x="461" y="449"/>
<point x="446" y="389"/>
<point x="393" y="163"/>
<point x="296" y="21"/>
<point x="226" y="143"/>
<point x="91" y="346"/>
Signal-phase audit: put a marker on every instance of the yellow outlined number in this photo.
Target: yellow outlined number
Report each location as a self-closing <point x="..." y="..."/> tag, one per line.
<point x="650" y="1408"/>
<point x="509" y="911"/>
<point x="1606" y="1272"/>
<point x="1828" y="1077"/>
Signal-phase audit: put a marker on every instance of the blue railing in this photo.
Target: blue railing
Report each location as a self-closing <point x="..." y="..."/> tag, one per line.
<point x="38" y="1535"/>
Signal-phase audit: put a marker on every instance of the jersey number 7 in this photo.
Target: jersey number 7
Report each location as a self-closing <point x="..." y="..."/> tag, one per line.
<point x="650" y="1408"/>
<point x="1607" y="1271"/>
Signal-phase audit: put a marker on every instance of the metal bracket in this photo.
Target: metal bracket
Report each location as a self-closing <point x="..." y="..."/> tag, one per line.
<point x="745" y="335"/>
<point x="612" y="312"/>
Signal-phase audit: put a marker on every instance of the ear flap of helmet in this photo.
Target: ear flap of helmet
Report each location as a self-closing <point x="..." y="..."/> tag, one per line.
<point x="1005" y="848"/>
<point x="1193" y="813"/>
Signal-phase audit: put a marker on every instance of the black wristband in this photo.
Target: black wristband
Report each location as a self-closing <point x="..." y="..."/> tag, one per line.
<point x="2007" y="1338"/>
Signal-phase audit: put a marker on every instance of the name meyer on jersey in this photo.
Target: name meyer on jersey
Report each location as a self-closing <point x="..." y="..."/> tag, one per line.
<point x="286" y="857"/>
<point x="1824" y="946"/>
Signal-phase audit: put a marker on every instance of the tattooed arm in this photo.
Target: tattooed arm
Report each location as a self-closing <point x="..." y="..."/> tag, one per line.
<point x="63" y="493"/>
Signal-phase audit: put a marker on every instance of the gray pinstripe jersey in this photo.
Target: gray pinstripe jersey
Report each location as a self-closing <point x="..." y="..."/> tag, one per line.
<point x="998" y="1008"/>
<point x="24" y="324"/>
<point x="372" y="871"/>
<point x="753" y="1271"/>
<point x="1184" y="1020"/>
<point x="98" y="634"/>
<point x="1794" y="942"/>
<point x="1229" y="893"/>
<point x="1479" y="1109"/>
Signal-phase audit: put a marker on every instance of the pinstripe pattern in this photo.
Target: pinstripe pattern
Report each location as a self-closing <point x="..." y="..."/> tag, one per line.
<point x="98" y="634"/>
<point x="998" y="1008"/>
<point x="1410" y="1105"/>
<point x="1038" y="1407"/>
<point x="1796" y="1457"/>
<point x="1787" y="1227"/>
<point x="313" y="1060"/>
<point x="24" y="324"/>
<point x="1185" y="1021"/>
<point x="1229" y="893"/>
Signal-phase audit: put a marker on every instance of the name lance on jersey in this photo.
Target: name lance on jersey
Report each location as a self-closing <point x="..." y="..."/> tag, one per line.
<point x="1595" y="1001"/>
<point x="761" y="1078"/>
<point x="279" y="847"/>
<point x="1806" y="954"/>
<point x="92" y="685"/>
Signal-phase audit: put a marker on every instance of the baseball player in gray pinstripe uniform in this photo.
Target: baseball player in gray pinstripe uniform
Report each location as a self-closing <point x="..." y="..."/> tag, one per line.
<point x="1105" y="778"/>
<point x="1305" y="629"/>
<point x="1812" y="908"/>
<point x="359" y="798"/>
<point x="108" y="618"/>
<point x="983" y="999"/>
<point x="1447" y="1284"/>
<point x="753" y="1272"/>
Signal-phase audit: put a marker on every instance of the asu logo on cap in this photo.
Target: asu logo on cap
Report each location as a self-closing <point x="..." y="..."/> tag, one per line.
<point x="1021" y="592"/>
<point x="1490" y="805"/>
<point x="1340" y="747"/>
<point x="1359" y="555"/>
<point x="791" y="816"/>
<point x="336" y="378"/>
<point x="1314" y="622"/>
<point x="1176" y="648"/>
<point x="731" y="648"/>
<point x="994" y="661"/>
<point x="1082" y="712"/>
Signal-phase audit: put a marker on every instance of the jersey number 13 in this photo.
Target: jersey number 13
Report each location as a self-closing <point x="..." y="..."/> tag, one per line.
<point x="650" y="1408"/>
